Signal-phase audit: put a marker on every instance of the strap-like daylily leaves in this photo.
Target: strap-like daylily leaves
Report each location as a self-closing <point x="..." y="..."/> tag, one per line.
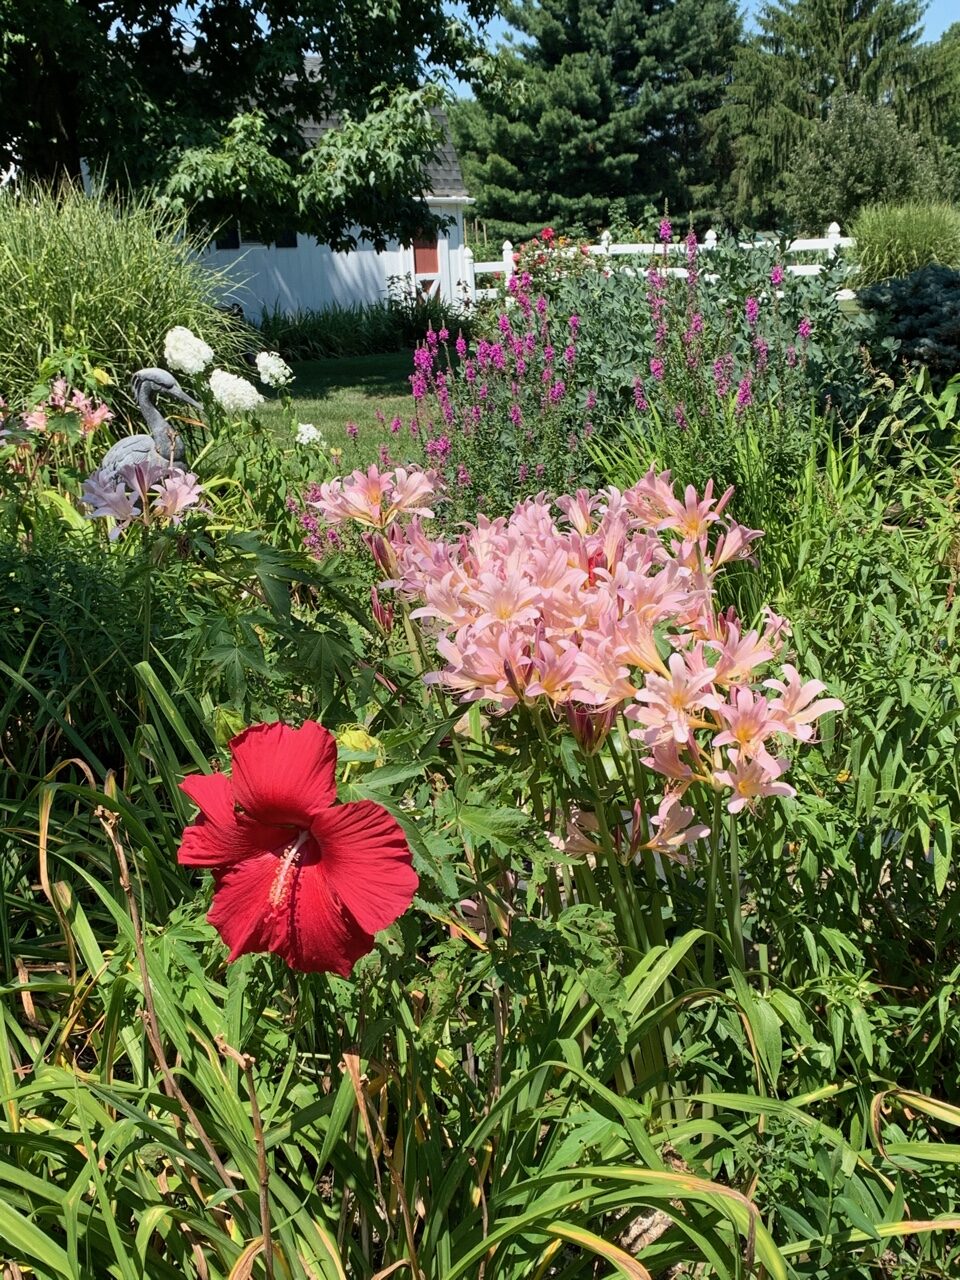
<point x="650" y="1184"/>
<point x="908" y="1099"/>
<point x="882" y="1230"/>
<point x="625" y="1264"/>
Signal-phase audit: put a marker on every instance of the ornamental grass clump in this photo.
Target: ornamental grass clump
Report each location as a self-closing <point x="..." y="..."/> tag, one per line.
<point x="102" y="275"/>
<point x="894" y="240"/>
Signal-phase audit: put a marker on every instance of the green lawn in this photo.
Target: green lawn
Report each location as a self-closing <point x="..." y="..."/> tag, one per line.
<point x="333" y="393"/>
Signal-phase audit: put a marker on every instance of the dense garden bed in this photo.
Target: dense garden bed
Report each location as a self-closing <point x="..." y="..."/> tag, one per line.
<point x="508" y="837"/>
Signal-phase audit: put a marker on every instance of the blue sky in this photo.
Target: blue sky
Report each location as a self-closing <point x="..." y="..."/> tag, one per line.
<point x="940" y="14"/>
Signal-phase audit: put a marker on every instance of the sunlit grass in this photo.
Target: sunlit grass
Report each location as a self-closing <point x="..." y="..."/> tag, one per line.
<point x="331" y="394"/>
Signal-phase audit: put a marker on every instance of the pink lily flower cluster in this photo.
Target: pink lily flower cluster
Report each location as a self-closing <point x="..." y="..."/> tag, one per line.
<point x="62" y="403"/>
<point x="131" y="499"/>
<point x="609" y="609"/>
<point x="375" y="498"/>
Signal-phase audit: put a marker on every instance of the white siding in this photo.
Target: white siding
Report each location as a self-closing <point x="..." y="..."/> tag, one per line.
<point x="312" y="276"/>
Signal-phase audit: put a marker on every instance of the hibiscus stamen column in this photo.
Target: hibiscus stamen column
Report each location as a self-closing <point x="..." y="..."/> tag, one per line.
<point x="284" y="881"/>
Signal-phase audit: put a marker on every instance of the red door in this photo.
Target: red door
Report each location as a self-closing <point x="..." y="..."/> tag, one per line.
<point x="426" y="260"/>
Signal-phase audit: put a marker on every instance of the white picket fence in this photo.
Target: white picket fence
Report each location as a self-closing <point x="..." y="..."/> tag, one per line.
<point x="504" y="266"/>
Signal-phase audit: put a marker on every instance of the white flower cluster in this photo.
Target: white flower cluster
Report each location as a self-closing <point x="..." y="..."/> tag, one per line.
<point x="185" y="352"/>
<point x="235" y="395"/>
<point x="273" y="369"/>
<point x="307" y="433"/>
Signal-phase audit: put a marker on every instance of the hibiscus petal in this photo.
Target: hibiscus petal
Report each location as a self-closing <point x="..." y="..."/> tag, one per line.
<point x="366" y="858"/>
<point x="283" y="775"/>
<point x="212" y="793"/>
<point x="241" y="911"/>
<point x="316" y="932"/>
<point x="219" y="837"/>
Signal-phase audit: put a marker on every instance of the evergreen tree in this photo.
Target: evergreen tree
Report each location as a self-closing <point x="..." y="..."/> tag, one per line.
<point x="805" y="52"/>
<point x="609" y="104"/>
<point x="933" y="106"/>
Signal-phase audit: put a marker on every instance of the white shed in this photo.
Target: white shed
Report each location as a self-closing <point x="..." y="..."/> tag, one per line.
<point x="295" y="272"/>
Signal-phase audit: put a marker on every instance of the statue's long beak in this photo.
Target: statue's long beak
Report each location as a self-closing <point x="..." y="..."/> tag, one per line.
<point x="178" y="394"/>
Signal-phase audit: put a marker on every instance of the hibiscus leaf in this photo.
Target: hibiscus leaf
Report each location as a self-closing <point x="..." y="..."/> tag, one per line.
<point x="390" y="775"/>
<point x="492" y="824"/>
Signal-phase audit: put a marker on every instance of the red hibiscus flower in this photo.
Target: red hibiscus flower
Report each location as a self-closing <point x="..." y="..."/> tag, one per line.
<point x="294" y="872"/>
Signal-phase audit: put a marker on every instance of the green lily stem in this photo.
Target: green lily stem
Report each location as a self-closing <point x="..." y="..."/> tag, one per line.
<point x="713" y="876"/>
<point x="734" y="904"/>
<point x="633" y="929"/>
<point x="419" y="657"/>
<point x="147" y="597"/>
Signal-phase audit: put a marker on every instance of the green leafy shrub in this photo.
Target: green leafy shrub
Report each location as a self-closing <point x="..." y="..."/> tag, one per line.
<point x="363" y="328"/>
<point x="897" y="239"/>
<point x="859" y="155"/>
<point x="918" y="318"/>
<point x="334" y="331"/>
<point x="102" y="278"/>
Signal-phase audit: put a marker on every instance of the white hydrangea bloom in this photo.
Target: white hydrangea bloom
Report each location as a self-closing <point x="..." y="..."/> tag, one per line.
<point x="234" y="394"/>
<point x="307" y="433"/>
<point x="273" y="369"/>
<point x="185" y="352"/>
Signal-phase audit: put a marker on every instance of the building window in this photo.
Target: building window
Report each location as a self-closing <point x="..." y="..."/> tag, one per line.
<point x="231" y="238"/>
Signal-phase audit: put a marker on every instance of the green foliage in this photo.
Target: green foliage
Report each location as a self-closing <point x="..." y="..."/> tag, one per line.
<point x="364" y="328"/>
<point x="806" y="52"/>
<point x="558" y="1065"/>
<point x="239" y="179"/>
<point x="98" y="280"/>
<point x="607" y="107"/>
<point x="918" y="316"/>
<point x="212" y="99"/>
<point x="858" y="155"/>
<point x="899" y="239"/>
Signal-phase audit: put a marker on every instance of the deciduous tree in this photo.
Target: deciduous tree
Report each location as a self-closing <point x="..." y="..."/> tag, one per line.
<point x="206" y="98"/>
